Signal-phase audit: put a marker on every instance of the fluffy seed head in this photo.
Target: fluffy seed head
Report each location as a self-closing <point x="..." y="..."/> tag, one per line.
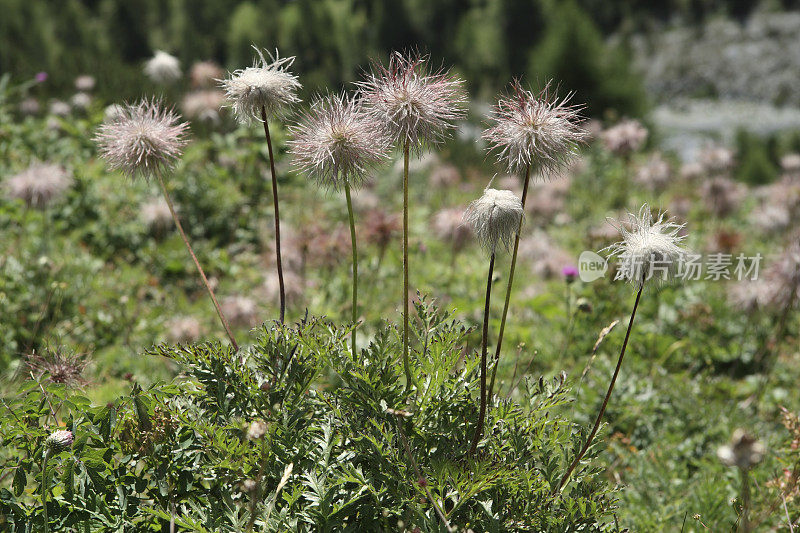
<point x="412" y="103"/>
<point x="336" y="142"/>
<point x="58" y="441"/>
<point x="648" y="250"/>
<point x="203" y="105"/>
<point x="163" y="68"/>
<point x="267" y="84"/>
<point x="626" y="137"/>
<point x="495" y="217"/>
<point x="39" y="185"/>
<point x="59" y="366"/>
<point x="85" y="83"/>
<point x="448" y="225"/>
<point x="536" y="130"/>
<point x="60" y="108"/>
<point x="155" y="214"/>
<point x="145" y="138"/>
<point x="743" y="451"/>
<point x="204" y="74"/>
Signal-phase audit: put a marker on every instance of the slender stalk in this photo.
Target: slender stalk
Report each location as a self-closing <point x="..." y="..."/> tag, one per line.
<point x="744" y="521"/>
<point x="406" y="365"/>
<point x="599" y="418"/>
<point x="277" y="213"/>
<point x="196" y="262"/>
<point x="355" y="263"/>
<point x="510" y="284"/>
<point x="484" y="344"/>
<point x="45" y="489"/>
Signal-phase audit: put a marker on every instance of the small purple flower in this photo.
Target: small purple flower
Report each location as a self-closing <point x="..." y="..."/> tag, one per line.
<point x="41" y="77"/>
<point x="570" y="273"/>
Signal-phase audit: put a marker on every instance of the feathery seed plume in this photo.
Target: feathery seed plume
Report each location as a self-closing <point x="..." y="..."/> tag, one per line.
<point x="204" y="74"/>
<point x="163" y="68"/>
<point x="536" y="130"/>
<point x="337" y="142"/>
<point x="743" y="451"/>
<point x="39" y="184"/>
<point x="266" y="84"/>
<point x="85" y="83"/>
<point x="412" y="103"/>
<point x="647" y="247"/>
<point x="146" y="138"/>
<point x="495" y="217"/>
<point x="624" y="138"/>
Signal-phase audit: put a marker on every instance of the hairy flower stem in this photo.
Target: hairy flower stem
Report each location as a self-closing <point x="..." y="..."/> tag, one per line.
<point x="484" y="344"/>
<point x="196" y="262"/>
<point x="45" y="490"/>
<point x="406" y="365"/>
<point x="355" y="264"/>
<point x="510" y="284"/>
<point x="599" y="418"/>
<point x="277" y="213"/>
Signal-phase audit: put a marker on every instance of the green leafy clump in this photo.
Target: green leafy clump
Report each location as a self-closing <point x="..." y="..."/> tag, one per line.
<point x="360" y="453"/>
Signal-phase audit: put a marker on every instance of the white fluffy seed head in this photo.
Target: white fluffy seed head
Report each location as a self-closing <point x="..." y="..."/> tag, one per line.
<point x="267" y="84"/>
<point x="144" y="138"/>
<point x="410" y="102"/>
<point x="537" y="131"/>
<point x="39" y="185"/>
<point x="648" y="250"/>
<point x="163" y="68"/>
<point x="495" y="218"/>
<point x="337" y="143"/>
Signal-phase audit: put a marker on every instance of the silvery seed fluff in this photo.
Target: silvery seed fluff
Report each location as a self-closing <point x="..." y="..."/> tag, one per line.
<point x="39" y="184"/>
<point x="336" y="142"/>
<point x="413" y="104"/>
<point x="266" y="84"/>
<point x="163" y="68"/>
<point x="648" y="250"/>
<point x="537" y="130"/>
<point x="495" y="217"/>
<point x="144" y="138"/>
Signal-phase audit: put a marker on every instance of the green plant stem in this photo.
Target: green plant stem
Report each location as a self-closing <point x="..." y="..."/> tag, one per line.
<point x="355" y="264"/>
<point x="484" y="343"/>
<point x="281" y="287"/>
<point x="406" y="365"/>
<point x="744" y="521"/>
<point x="510" y="284"/>
<point x="45" y="488"/>
<point x="599" y="418"/>
<point x="196" y="262"/>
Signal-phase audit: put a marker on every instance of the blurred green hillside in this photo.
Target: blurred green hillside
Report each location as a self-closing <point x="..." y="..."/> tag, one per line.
<point x="488" y="41"/>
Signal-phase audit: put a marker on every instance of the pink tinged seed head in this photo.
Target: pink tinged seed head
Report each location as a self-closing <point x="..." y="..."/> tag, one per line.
<point x="267" y="84"/>
<point x="337" y="143"/>
<point x="41" y="77"/>
<point x="143" y="138"/>
<point x="538" y="131"/>
<point x="411" y="103"/>
<point x="39" y="185"/>
<point x="58" y="441"/>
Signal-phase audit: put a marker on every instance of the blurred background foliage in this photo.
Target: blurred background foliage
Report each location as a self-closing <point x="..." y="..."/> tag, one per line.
<point x="488" y="41"/>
